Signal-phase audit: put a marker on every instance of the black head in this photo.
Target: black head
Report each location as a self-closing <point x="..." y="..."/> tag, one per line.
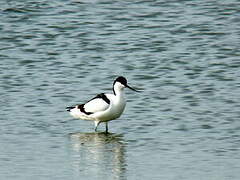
<point x="122" y="80"/>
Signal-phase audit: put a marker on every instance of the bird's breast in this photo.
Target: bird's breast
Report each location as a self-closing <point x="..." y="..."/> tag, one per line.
<point x="118" y="107"/>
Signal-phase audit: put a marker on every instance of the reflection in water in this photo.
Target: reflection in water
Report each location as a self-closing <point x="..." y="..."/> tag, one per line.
<point x="98" y="155"/>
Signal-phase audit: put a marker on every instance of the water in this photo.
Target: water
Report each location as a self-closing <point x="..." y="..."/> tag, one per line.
<point x="184" y="55"/>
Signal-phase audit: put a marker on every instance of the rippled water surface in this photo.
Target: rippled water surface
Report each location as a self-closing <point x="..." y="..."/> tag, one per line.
<point x="184" y="55"/>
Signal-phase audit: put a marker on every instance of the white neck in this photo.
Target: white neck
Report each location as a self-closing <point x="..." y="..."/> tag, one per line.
<point x="118" y="89"/>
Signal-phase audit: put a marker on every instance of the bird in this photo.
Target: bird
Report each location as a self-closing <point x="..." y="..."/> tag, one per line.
<point x="103" y="107"/>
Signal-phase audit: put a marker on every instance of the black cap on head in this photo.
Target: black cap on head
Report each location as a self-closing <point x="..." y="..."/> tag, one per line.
<point x="122" y="80"/>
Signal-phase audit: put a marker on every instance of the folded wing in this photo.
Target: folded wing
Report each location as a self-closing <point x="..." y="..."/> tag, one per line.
<point x="98" y="103"/>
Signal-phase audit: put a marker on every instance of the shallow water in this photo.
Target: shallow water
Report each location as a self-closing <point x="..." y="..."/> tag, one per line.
<point x="183" y="55"/>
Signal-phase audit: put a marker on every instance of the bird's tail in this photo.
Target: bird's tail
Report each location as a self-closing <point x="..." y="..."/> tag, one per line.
<point x="69" y="108"/>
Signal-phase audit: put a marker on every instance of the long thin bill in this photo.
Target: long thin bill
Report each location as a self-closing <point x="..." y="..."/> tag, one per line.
<point x="132" y="88"/>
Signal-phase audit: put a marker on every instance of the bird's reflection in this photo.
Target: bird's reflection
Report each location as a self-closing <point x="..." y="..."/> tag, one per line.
<point x="98" y="155"/>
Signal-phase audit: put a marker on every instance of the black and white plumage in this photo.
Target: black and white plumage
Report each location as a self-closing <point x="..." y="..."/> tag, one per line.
<point x="103" y="107"/>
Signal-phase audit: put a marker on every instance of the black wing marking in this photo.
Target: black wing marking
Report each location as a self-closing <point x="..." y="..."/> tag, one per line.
<point x="98" y="103"/>
<point x="101" y="96"/>
<point x="81" y="107"/>
<point x="69" y="108"/>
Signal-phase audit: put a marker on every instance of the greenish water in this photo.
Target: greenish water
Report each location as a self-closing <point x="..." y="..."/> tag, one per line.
<point x="184" y="55"/>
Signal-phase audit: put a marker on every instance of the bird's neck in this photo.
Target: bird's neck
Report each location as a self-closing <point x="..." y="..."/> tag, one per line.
<point x="118" y="92"/>
<point x="119" y="97"/>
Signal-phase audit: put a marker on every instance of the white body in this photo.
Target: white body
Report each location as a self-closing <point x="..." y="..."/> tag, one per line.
<point x="105" y="112"/>
<point x="103" y="107"/>
<point x="100" y="109"/>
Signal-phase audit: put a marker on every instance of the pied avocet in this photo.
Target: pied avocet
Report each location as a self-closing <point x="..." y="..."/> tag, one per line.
<point x="103" y="107"/>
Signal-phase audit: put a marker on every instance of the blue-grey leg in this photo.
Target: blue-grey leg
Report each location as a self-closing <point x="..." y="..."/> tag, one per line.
<point x="106" y="123"/>
<point x="96" y="124"/>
